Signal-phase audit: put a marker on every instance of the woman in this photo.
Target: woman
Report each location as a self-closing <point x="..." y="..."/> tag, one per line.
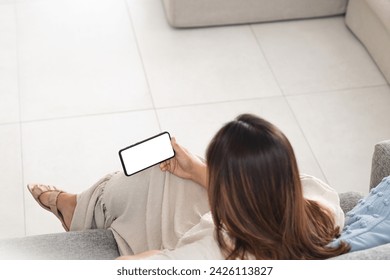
<point x="253" y="204"/>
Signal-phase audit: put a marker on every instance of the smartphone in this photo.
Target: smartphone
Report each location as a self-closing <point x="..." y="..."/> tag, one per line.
<point x="146" y="153"/>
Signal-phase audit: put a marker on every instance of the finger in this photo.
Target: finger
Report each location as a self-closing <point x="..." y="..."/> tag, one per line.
<point x="164" y="166"/>
<point x="168" y="165"/>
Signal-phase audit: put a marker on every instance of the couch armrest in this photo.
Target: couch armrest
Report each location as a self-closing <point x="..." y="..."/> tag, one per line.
<point x="380" y="163"/>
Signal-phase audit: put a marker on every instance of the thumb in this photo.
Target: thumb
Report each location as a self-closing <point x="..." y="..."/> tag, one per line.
<point x="176" y="147"/>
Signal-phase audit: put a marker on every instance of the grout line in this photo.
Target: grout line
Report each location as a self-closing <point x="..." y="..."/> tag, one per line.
<point x="317" y="93"/>
<point x="266" y="59"/>
<point x="219" y="102"/>
<point x="20" y="117"/>
<point x="142" y="62"/>
<point x="86" y="115"/>
<point x="288" y="103"/>
<point x="307" y="142"/>
<point x="137" y="110"/>
<point x="9" y="123"/>
<point x="312" y="93"/>
<point x="190" y="105"/>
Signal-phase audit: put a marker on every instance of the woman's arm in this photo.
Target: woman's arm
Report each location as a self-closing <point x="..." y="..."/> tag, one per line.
<point x="186" y="165"/>
<point x="139" y="256"/>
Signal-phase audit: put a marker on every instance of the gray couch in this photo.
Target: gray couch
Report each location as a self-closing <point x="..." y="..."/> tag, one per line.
<point x="369" y="20"/>
<point x="100" y="244"/>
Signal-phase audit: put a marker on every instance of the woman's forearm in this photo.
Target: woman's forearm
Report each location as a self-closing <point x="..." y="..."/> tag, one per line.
<point x="200" y="174"/>
<point x="139" y="256"/>
<point x="186" y="165"/>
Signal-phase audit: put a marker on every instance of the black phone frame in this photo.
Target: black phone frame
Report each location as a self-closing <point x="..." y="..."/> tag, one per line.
<point x="138" y="143"/>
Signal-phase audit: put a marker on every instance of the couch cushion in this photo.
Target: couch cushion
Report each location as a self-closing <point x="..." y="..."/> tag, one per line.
<point x="348" y="200"/>
<point x="193" y="13"/>
<point x="96" y="244"/>
<point x="369" y="20"/>
<point x="377" y="253"/>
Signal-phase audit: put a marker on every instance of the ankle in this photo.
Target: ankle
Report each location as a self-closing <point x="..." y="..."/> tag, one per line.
<point x="66" y="201"/>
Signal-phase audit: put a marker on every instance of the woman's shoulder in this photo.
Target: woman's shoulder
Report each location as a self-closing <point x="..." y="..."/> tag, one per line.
<point x="319" y="191"/>
<point x="314" y="187"/>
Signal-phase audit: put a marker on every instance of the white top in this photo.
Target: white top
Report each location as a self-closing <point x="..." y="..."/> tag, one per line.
<point x="199" y="242"/>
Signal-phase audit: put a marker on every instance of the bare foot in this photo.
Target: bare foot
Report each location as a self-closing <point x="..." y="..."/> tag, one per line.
<point x="66" y="204"/>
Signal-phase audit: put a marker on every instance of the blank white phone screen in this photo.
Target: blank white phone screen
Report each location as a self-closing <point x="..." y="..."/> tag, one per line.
<point x="147" y="153"/>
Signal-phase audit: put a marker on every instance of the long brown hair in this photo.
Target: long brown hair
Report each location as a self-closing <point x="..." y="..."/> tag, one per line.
<point x="256" y="196"/>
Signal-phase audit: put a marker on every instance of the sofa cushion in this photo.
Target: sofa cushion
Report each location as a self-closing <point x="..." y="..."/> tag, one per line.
<point x="381" y="252"/>
<point x="348" y="200"/>
<point x="369" y="20"/>
<point x="193" y="13"/>
<point x="96" y="244"/>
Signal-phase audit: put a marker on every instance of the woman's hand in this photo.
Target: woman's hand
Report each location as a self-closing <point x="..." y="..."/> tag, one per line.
<point x="186" y="165"/>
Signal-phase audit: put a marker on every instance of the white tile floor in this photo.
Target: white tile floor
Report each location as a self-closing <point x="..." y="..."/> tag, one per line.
<point x="80" y="79"/>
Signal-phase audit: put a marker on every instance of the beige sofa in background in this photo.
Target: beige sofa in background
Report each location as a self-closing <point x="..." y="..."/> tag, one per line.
<point x="196" y="13"/>
<point x="369" y="20"/>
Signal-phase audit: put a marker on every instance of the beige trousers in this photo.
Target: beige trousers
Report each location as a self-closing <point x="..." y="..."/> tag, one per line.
<point x="147" y="211"/>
